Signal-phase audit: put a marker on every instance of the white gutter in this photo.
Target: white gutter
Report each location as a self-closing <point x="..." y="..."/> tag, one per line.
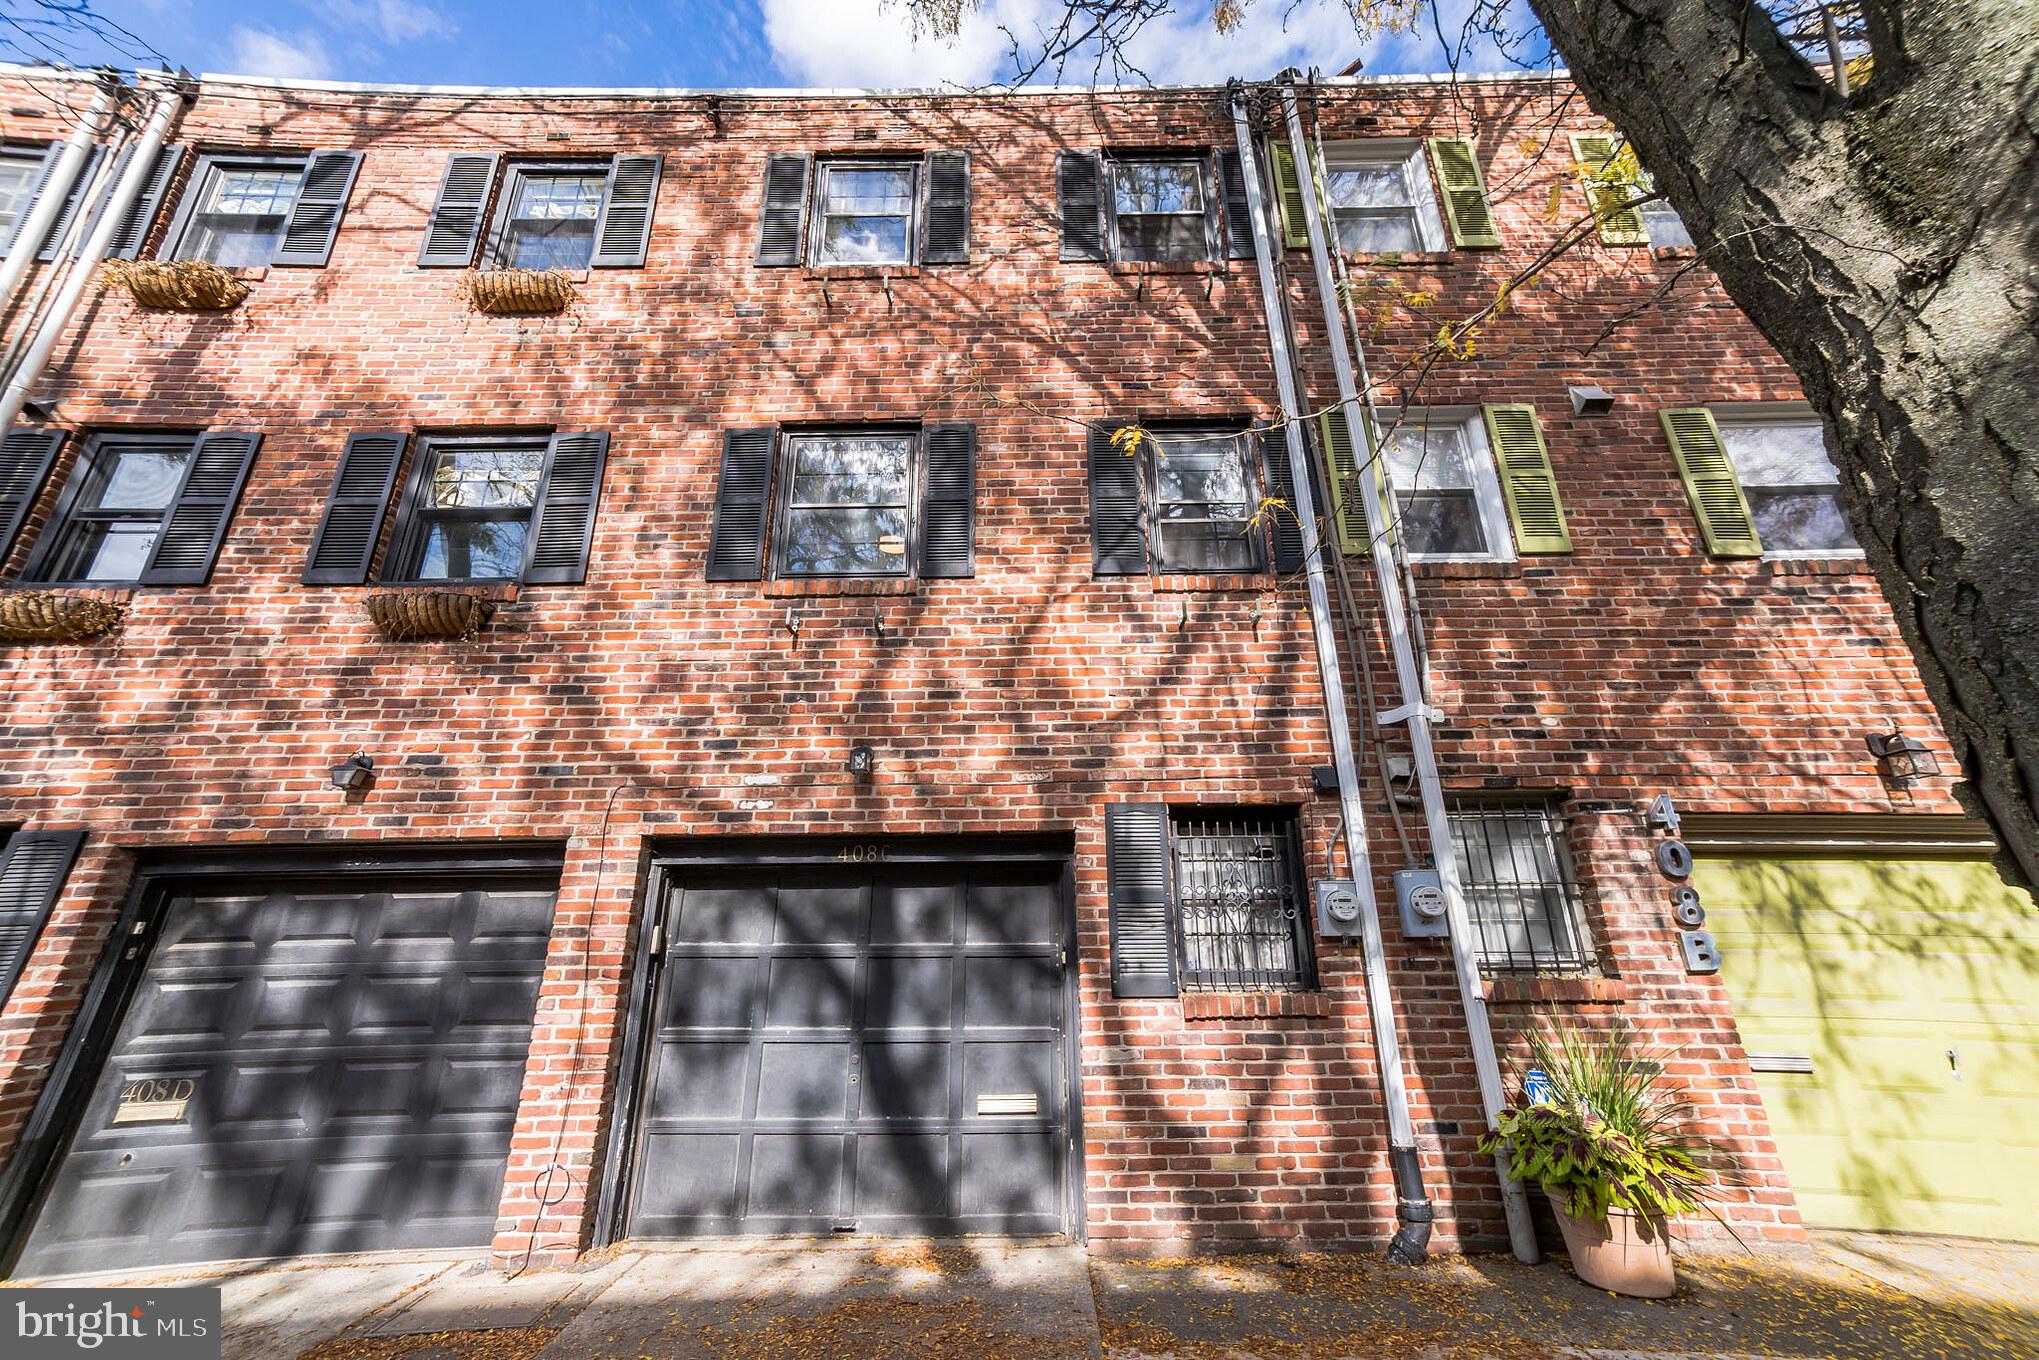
<point x="1415" y="710"/>
<point x="50" y="198"/>
<point x="1413" y="1207"/>
<point x="140" y="166"/>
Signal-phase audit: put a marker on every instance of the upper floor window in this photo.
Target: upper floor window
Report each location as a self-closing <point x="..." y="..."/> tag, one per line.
<point x="1792" y="488"/>
<point x="1152" y="206"/>
<point x="1666" y="229"/>
<point x="1160" y="208"/>
<point x="842" y="210"/>
<point x="1381" y="197"/>
<point x="21" y="172"/>
<point x="147" y="509"/>
<point x="576" y="214"/>
<point x="870" y="501"/>
<point x="251" y="210"/>
<point x="1519" y="889"/>
<point x="1447" y="497"/>
<point x="1182" y="497"/>
<point x="506" y="507"/>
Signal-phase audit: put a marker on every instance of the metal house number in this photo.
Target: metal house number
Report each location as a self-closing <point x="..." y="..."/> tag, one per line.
<point x="1674" y="862"/>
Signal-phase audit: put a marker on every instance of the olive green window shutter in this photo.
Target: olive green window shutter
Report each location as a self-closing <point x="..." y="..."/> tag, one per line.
<point x="1710" y="481"/>
<point x="1465" y="193"/>
<point x="1535" y="511"/>
<point x="1288" y="187"/>
<point x="1619" y="225"/>
<point x="1348" y="507"/>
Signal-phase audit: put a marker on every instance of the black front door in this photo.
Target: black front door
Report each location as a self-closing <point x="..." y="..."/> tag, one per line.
<point x="308" y="1069"/>
<point x="861" y="1047"/>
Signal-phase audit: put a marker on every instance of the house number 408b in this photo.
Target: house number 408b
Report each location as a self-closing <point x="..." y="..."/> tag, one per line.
<point x="1674" y="862"/>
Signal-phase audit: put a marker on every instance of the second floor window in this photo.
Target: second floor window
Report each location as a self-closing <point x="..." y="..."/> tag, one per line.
<point x="1381" y="199"/>
<point x="1447" y="496"/>
<point x="1206" y="494"/>
<point x="239" y="211"/>
<point x="847" y="505"/>
<point x="1793" y="489"/>
<point x="1159" y="208"/>
<point x="471" y="515"/>
<point x="549" y="215"/>
<point x="21" y="171"/>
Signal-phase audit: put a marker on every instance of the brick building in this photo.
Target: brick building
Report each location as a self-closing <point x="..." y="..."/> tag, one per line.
<point x="742" y="864"/>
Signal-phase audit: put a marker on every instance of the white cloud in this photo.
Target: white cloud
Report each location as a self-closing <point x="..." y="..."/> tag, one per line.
<point x="394" y="21"/>
<point x="299" y="56"/>
<point x="867" y="43"/>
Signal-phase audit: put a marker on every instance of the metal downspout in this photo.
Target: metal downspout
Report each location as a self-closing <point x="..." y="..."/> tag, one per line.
<point x="1415" y="710"/>
<point x="140" y="166"/>
<point x="49" y="200"/>
<point x="1412" y="1204"/>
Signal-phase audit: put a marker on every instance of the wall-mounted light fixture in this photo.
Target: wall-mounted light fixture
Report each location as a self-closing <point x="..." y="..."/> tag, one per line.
<point x="863" y="760"/>
<point x="1590" y="401"/>
<point x="356" y="772"/>
<point x="1902" y="761"/>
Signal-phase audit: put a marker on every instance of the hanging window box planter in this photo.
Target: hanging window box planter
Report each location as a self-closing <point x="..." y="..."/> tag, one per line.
<point x="409" y="615"/>
<point x="52" y="616"/>
<point x="177" y="285"/>
<point x="518" y="292"/>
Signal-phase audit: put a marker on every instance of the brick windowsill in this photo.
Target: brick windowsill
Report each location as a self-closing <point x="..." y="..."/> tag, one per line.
<point x="1249" y="582"/>
<point x="1468" y="571"/>
<point x="1133" y="268"/>
<point x="1253" y="1005"/>
<point x="1816" y="566"/>
<point x="1406" y="259"/>
<point x="860" y="271"/>
<point x="1571" y="991"/>
<point x="776" y="590"/>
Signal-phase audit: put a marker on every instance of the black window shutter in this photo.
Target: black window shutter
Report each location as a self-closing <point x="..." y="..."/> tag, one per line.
<point x="33" y="866"/>
<point x="42" y="178"/>
<point x="197" y="521"/>
<point x="127" y="243"/>
<point x="1118" y="522"/>
<point x="1238" y="208"/>
<point x="623" y="235"/>
<point x="321" y="203"/>
<point x="563" y="524"/>
<point x="48" y="249"/>
<point x="455" y="224"/>
<point x="1284" y="521"/>
<point x="785" y="208"/>
<point x="736" y="545"/>
<point x="947" y="229"/>
<point x="1079" y="195"/>
<point x="26" y="457"/>
<point x="948" y="502"/>
<point x="345" y="541"/>
<point x="1140" y="887"/>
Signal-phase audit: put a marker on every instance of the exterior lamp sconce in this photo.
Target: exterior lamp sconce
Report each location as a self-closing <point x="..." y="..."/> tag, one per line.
<point x="863" y="760"/>
<point x="355" y="773"/>
<point x="1591" y="401"/>
<point x="1902" y="761"/>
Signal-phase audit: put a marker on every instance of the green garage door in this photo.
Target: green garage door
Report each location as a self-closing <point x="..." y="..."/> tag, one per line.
<point x="1910" y="989"/>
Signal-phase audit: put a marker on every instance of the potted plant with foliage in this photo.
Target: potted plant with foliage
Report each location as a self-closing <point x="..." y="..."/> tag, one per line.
<point x="1612" y="1144"/>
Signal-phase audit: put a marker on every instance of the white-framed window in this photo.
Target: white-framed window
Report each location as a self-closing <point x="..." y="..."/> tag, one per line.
<point x="20" y="173"/>
<point x="1792" y="487"/>
<point x="1448" y="501"/>
<point x="1666" y="228"/>
<point x="864" y="212"/>
<point x="1381" y="199"/>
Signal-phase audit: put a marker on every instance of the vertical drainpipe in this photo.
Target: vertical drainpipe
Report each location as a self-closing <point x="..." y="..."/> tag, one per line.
<point x="140" y="166"/>
<point x="1413" y="1211"/>
<point x="1414" y="710"/>
<point x="49" y="200"/>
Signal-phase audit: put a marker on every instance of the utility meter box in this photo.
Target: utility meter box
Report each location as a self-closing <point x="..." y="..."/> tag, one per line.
<point x="1337" y="907"/>
<point x="1420" y="895"/>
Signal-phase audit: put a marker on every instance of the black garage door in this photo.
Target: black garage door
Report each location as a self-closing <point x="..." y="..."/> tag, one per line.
<point x="869" y="1048"/>
<point x="311" y="1069"/>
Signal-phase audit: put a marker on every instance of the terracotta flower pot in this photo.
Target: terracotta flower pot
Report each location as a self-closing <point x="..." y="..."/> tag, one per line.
<point x="1615" y="1255"/>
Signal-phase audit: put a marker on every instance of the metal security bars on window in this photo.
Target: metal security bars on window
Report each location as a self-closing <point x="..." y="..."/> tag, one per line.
<point x="1239" y="905"/>
<point x="1519" y="889"/>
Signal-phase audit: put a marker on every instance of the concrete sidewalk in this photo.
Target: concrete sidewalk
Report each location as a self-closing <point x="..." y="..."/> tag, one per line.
<point x="1853" y="1297"/>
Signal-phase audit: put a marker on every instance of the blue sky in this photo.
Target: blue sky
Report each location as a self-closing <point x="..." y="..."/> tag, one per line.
<point x="703" y="43"/>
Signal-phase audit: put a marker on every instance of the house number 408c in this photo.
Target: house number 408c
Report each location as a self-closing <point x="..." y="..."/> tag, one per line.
<point x="863" y="854"/>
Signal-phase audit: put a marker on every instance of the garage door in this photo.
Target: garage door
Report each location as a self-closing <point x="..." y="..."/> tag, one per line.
<point x="306" y="1070"/>
<point x="870" y="1049"/>
<point x="1895" y="1006"/>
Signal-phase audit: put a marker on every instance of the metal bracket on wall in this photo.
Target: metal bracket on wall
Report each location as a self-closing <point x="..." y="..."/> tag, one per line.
<point x="1429" y="712"/>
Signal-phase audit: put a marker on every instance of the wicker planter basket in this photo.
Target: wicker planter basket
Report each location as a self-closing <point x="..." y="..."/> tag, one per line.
<point x="518" y="292"/>
<point x="177" y="285"/>
<point x="46" y="616"/>
<point x="406" y="615"/>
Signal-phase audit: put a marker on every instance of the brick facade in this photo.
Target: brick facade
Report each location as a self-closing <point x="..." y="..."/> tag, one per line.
<point x="649" y="704"/>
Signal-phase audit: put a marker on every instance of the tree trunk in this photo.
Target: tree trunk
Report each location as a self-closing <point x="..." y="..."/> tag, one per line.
<point x="1888" y="246"/>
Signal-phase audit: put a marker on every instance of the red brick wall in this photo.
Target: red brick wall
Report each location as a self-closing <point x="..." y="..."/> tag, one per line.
<point x="638" y="706"/>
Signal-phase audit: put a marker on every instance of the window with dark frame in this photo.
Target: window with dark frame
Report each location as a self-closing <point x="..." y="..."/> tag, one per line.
<point x="864" y="212"/>
<point x="1520" y="891"/>
<point x="846" y="503"/>
<point x="1241" y="923"/>
<point x="240" y="209"/>
<point x="125" y="488"/>
<point x="468" y="517"/>
<point x="1160" y="208"/>
<point x="547" y="215"/>
<point x="1206" y="492"/>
